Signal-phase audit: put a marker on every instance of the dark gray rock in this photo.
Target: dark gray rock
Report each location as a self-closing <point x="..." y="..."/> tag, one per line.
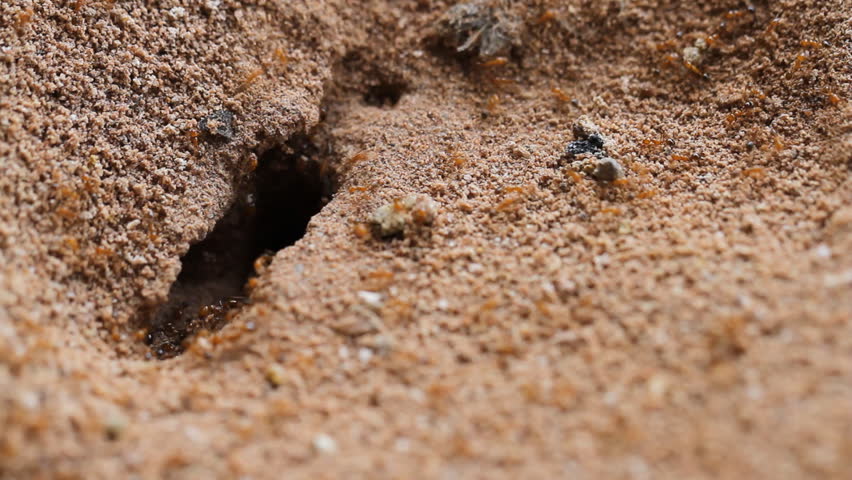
<point x="218" y="124"/>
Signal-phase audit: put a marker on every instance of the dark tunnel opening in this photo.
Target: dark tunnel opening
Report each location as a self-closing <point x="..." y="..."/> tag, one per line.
<point x="290" y="185"/>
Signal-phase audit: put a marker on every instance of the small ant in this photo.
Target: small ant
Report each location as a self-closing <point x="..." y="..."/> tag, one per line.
<point x="262" y="263"/>
<point x="755" y="172"/>
<point x="692" y="68"/>
<point x="360" y="157"/>
<point x="772" y="26"/>
<point x="833" y="99"/>
<point x="361" y="231"/>
<point x="501" y="82"/>
<point x="739" y="13"/>
<point x="496" y="62"/>
<point x="507" y="203"/>
<point x="493" y="103"/>
<point x="379" y="279"/>
<point x="458" y="159"/>
<point x="25" y="17"/>
<point x="250" y="79"/>
<point x="808" y="47"/>
<point x="575" y="176"/>
<point x="546" y="17"/>
<point x="516" y="194"/>
<point x="560" y="95"/>
<point x="251" y="163"/>
<point x="652" y="144"/>
<point x="72" y="243"/>
<point x="193" y="135"/>
<point x="647" y="194"/>
<point x="281" y="56"/>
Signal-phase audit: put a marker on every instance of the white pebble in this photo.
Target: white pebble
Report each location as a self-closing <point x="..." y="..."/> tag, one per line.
<point x="402" y="444"/>
<point x="324" y="444"/>
<point x="372" y="299"/>
<point x="177" y="12"/>
<point x="834" y="280"/>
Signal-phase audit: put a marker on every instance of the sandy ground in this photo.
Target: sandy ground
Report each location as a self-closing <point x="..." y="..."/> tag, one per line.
<point x="691" y="320"/>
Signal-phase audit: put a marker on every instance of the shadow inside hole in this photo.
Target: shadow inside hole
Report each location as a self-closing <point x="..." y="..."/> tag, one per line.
<point x="385" y="94"/>
<point x="291" y="185"/>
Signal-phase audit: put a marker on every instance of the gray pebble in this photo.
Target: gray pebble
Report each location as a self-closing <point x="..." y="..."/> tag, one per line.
<point x="218" y="124"/>
<point x="607" y="169"/>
